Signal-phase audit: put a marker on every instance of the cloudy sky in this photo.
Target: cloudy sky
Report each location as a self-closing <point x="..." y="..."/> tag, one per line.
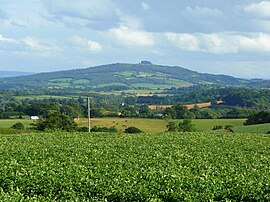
<point x="214" y="36"/>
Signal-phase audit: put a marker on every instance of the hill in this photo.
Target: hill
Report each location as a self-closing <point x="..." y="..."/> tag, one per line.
<point x="13" y="73"/>
<point x="119" y="76"/>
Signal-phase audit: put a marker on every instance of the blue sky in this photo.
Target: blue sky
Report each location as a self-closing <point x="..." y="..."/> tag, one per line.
<point x="214" y="36"/>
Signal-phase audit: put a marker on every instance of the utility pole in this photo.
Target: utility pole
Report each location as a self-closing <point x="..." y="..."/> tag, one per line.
<point x="88" y="109"/>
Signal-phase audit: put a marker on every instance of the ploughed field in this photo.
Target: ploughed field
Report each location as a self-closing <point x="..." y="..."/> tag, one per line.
<point x="138" y="167"/>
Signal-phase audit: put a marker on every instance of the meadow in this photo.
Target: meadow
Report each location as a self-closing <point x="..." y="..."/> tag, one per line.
<point x="154" y="125"/>
<point x="157" y="125"/>
<point x="138" y="167"/>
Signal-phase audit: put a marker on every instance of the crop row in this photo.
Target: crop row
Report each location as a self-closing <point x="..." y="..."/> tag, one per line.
<point x="140" y="167"/>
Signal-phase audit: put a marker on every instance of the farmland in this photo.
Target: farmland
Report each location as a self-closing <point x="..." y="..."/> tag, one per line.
<point x="146" y="125"/>
<point x="138" y="167"/>
<point x="158" y="125"/>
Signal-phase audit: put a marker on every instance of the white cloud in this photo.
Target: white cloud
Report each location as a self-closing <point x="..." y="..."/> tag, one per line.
<point x="86" y="44"/>
<point x="86" y="13"/>
<point x="28" y="45"/>
<point x="261" y="9"/>
<point x="132" y="37"/>
<point x="221" y="43"/>
<point x="145" y="6"/>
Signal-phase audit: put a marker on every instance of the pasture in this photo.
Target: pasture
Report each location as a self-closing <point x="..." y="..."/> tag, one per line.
<point x="146" y="125"/>
<point x="137" y="167"/>
<point x="158" y="125"/>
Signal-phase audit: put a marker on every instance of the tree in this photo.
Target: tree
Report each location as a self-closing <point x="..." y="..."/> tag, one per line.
<point x="56" y="121"/>
<point x="186" y="126"/>
<point x="258" y="118"/>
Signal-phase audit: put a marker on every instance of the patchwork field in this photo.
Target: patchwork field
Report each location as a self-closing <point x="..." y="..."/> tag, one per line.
<point x="138" y="167"/>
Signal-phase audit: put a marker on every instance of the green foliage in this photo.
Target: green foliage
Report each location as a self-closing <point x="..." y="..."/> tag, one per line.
<point x="258" y="118"/>
<point x="133" y="129"/>
<point x="186" y="126"/>
<point x="103" y="129"/>
<point x="228" y="126"/>
<point x="172" y="127"/>
<point x="18" y="126"/>
<point x="56" y="121"/>
<point x="218" y="127"/>
<point x="145" y="167"/>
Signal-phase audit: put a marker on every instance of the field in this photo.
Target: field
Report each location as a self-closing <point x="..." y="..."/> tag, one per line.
<point x="138" y="167"/>
<point x="158" y="125"/>
<point x="261" y="128"/>
<point x="146" y="125"/>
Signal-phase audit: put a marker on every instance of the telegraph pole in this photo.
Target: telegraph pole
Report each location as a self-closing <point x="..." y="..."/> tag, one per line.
<point x="88" y="109"/>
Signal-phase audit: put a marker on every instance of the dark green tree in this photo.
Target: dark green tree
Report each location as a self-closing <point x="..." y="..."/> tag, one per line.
<point x="186" y="126"/>
<point x="56" y="121"/>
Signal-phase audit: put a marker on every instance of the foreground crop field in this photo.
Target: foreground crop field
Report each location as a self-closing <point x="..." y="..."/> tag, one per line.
<point x="138" y="167"/>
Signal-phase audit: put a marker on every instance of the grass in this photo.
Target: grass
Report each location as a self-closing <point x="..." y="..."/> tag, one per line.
<point x="158" y="125"/>
<point x="7" y="123"/>
<point x="139" y="167"/>
<point x="80" y="81"/>
<point x="146" y="125"/>
<point x="260" y="128"/>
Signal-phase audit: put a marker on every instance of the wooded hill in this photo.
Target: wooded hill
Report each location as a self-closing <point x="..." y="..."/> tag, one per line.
<point x="113" y="77"/>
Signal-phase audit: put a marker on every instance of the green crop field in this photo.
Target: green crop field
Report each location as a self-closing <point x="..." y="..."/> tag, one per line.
<point x="137" y="167"/>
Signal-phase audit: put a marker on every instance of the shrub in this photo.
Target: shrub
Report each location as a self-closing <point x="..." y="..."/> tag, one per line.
<point x="228" y="126"/>
<point x="186" y="126"/>
<point x="268" y="132"/>
<point x="217" y="127"/>
<point x="133" y="130"/>
<point x="18" y="126"/>
<point x="172" y="127"/>
<point x="103" y="129"/>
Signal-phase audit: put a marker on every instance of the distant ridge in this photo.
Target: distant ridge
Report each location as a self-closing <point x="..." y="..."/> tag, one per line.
<point x="13" y="73"/>
<point x="122" y="76"/>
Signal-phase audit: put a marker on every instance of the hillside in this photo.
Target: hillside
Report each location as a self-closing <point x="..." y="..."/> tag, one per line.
<point x="120" y="77"/>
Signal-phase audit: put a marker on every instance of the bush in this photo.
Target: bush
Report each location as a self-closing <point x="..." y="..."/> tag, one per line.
<point x="218" y="127"/>
<point x="18" y="126"/>
<point x="172" y="127"/>
<point x="186" y="126"/>
<point x="228" y="126"/>
<point x="268" y="132"/>
<point x="133" y="130"/>
<point x="103" y="129"/>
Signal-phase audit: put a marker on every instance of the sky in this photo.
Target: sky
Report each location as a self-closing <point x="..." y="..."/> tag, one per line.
<point x="210" y="36"/>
